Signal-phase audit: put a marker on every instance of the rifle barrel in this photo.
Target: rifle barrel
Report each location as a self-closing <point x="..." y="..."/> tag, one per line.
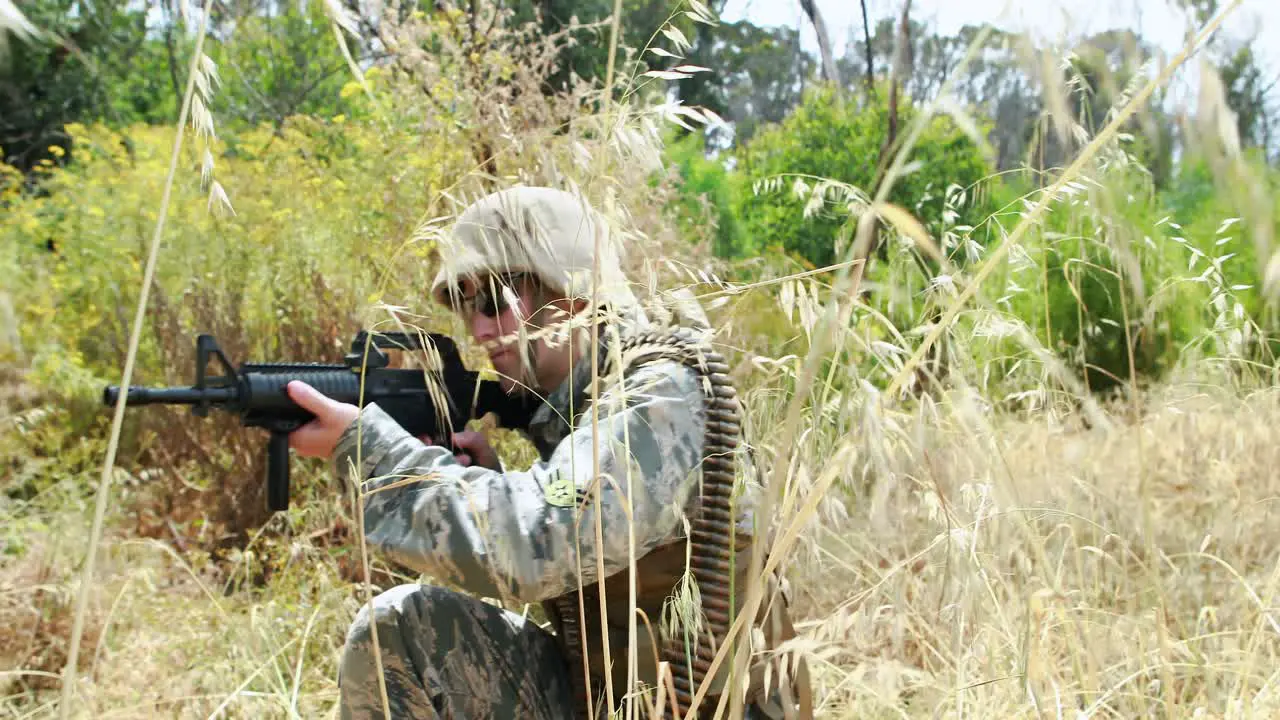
<point x="168" y="396"/>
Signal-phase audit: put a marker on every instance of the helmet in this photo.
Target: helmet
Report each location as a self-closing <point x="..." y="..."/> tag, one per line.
<point x="551" y="234"/>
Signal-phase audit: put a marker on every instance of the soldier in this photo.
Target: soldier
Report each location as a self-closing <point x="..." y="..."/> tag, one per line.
<point x="519" y="269"/>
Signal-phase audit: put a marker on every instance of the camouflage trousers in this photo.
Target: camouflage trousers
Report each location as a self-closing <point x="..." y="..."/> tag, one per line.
<point x="448" y="655"/>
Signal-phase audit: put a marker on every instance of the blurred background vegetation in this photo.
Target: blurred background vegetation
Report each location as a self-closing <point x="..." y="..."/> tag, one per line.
<point x="800" y="146"/>
<point x="307" y="197"/>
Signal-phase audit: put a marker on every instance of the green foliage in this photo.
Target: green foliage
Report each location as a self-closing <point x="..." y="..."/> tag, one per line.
<point x="277" y="65"/>
<point x="588" y="56"/>
<point x="1120" y="273"/>
<point x="329" y="228"/>
<point x="1123" y="269"/>
<point x="756" y="76"/>
<point x="1102" y="75"/>
<point x="322" y="210"/>
<point x="1208" y="218"/>
<point x="1103" y="252"/>
<point x="708" y="191"/>
<point x="114" y="63"/>
<point x="826" y="140"/>
<point x="1145" y="265"/>
<point x="103" y="66"/>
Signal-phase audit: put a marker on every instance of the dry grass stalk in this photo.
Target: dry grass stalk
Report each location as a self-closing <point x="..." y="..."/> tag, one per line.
<point x="86" y="581"/>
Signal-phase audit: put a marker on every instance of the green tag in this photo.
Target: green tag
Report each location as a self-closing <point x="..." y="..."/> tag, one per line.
<point x="560" y="491"/>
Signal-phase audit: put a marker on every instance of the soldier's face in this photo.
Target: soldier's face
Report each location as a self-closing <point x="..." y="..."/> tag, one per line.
<point x="498" y="312"/>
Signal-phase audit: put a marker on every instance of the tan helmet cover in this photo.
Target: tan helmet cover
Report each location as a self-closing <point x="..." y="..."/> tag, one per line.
<point x="550" y="233"/>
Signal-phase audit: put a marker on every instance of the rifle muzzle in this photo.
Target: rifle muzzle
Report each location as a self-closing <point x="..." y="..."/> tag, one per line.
<point x="168" y="396"/>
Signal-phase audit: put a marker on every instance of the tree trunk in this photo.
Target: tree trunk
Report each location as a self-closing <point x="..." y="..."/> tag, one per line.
<point x="901" y="67"/>
<point x="877" y="248"/>
<point x="866" y="34"/>
<point x="829" y="72"/>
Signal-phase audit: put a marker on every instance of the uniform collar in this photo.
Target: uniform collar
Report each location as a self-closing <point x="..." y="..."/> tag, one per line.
<point x="557" y="415"/>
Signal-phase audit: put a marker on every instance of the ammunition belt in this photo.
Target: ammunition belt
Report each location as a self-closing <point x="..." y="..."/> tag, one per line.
<point x="712" y="528"/>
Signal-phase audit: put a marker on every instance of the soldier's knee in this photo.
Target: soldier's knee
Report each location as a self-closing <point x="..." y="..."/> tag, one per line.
<point x="404" y="642"/>
<point x="390" y="610"/>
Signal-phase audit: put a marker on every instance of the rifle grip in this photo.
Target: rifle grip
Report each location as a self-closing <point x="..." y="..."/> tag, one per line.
<point x="278" y="471"/>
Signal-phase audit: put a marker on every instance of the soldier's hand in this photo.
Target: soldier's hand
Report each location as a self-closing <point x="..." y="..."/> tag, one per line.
<point x="478" y="449"/>
<point x="320" y="436"/>
<point x="475" y="448"/>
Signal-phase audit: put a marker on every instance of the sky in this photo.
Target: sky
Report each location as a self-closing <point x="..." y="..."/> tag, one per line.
<point x="1158" y="21"/>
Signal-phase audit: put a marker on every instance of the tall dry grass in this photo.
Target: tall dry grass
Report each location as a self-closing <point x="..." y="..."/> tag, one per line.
<point x="948" y="557"/>
<point x="985" y="567"/>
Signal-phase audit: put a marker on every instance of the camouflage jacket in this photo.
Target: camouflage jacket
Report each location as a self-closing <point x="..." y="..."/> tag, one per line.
<point x="531" y="534"/>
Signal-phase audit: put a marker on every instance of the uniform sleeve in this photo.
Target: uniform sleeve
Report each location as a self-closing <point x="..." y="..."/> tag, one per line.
<point x="523" y="533"/>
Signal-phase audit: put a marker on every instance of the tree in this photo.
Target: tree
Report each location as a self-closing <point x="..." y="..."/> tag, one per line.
<point x="757" y="75"/>
<point x="866" y="35"/>
<point x="103" y="65"/>
<point x="830" y="72"/>
<point x="1247" y="94"/>
<point x="280" y="62"/>
<point x="840" y="141"/>
<point x="589" y="56"/>
<point x="995" y="84"/>
<point x="1103" y="73"/>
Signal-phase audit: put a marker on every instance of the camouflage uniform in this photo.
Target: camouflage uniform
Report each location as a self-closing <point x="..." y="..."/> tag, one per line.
<point x="518" y="535"/>
<point x="529" y="536"/>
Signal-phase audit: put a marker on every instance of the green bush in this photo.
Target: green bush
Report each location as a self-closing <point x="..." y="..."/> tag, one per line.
<point x="1210" y="216"/>
<point x="1116" y="286"/>
<point x="317" y="214"/>
<point x="708" y="191"/>
<point x="825" y="140"/>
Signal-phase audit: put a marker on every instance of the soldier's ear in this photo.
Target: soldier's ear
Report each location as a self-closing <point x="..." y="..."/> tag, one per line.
<point x="561" y="306"/>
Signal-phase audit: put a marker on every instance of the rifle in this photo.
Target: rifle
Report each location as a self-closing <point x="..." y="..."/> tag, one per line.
<point x="257" y="392"/>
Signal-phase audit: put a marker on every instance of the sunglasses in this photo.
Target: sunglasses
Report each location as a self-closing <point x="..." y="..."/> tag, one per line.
<point x="489" y="299"/>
